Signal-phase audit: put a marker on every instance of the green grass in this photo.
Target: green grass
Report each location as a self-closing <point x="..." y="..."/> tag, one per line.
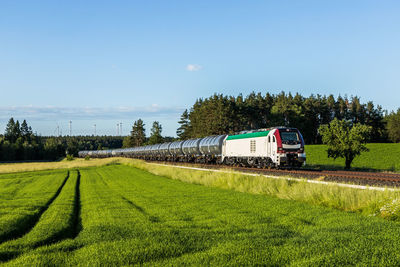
<point x="130" y="216"/>
<point x="24" y="197"/>
<point x="367" y="202"/>
<point x="64" y="164"/>
<point x="56" y="222"/>
<point x="381" y="157"/>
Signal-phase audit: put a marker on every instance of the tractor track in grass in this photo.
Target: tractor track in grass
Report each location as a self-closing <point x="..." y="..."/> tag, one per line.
<point x="75" y="225"/>
<point x="354" y="177"/>
<point x="77" y="219"/>
<point x="32" y="220"/>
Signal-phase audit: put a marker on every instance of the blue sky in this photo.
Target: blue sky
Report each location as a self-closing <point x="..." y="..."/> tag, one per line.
<point x="104" y="62"/>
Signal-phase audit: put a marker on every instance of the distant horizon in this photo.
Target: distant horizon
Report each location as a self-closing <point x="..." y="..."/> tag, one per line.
<point x="84" y="126"/>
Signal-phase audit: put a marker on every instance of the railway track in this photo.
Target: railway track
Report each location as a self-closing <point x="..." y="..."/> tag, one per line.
<point x="354" y="177"/>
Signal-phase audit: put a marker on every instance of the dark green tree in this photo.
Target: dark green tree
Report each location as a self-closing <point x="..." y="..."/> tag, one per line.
<point x="26" y="131"/>
<point x="393" y="126"/>
<point x="374" y="118"/>
<point x="53" y="148"/>
<point x="10" y="133"/>
<point x="212" y="116"/>
<point x="138" y="135"/>
<point x="155" y="136"/>
<point x="127" y="142"/>
<point x="8" y="152"/>
<point x="72" y="147"/>
<point x="345" y="139"/>
<point x="183" y="132"/>
<point x="342" y="108"/>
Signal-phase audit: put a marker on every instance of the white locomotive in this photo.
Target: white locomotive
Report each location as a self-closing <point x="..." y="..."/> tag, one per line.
<point x="263" y="148"/>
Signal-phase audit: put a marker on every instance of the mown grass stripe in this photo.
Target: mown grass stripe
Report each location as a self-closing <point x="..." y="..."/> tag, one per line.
<point x="77" y="220"/>
<point x="28" y="222"/>
<point x="16" y="206"/>
<point x="59" y="222"/>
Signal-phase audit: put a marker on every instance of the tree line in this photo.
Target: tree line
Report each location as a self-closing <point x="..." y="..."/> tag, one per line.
<point x="221" y="114"/>
<point x="138" y="137"/>
<point x="20" y="143"/>
<point x="218" y="114"/>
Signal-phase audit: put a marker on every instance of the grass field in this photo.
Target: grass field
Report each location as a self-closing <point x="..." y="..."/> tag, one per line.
<point x="120" y="215"/>
<point x="24" y="197"/>
<point x="64" y="164"/>
<point x="368" y="202"/>
<point x="381" y="157"/>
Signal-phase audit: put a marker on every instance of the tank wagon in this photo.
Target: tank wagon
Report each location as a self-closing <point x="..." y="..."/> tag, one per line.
<point x="263" y="148"/>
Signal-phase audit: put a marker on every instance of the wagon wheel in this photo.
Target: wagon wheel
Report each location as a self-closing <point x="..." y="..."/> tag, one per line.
<point x="270" y="164"/>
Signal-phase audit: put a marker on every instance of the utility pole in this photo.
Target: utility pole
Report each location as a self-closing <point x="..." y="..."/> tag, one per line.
<point x="70" y="128"/>
<point x="117" y="129"/>
<point x="95" y="130"/>
<point x="120" y="125"/>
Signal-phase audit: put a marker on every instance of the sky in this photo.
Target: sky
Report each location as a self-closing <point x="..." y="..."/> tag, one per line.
<point x="106" y="62"/>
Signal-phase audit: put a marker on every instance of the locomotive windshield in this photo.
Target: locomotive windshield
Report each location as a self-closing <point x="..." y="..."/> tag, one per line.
<point x="289" y="136"/>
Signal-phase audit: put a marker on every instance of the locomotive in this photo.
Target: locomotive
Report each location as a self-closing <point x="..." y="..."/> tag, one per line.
<point x="263" y="148"/>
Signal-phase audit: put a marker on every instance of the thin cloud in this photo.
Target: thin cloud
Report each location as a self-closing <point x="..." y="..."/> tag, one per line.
<point x="85" y="113"/>
<point x="193" y="67"/>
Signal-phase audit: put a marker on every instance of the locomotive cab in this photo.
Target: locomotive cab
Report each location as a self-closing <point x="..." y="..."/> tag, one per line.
<point x="290" y="146"/>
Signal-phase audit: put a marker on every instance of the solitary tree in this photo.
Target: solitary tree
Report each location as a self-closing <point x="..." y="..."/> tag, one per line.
<point x="344" y="139"/>
<point x="155" y="137"/>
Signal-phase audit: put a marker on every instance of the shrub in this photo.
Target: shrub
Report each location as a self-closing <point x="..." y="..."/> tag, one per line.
<point x="70" y="157"/>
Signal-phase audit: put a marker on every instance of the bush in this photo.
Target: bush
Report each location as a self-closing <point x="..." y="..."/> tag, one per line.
<point x="87" y="158"/>
<point x="70" y="157"/>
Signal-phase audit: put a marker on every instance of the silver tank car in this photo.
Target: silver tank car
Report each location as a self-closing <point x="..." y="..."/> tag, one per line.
<point x="212" y="145"/>
<point x="164" y="150"/>
<point x="176" y="148"/>
<point x="154" y="151"/>
<point x="191" y="147"/>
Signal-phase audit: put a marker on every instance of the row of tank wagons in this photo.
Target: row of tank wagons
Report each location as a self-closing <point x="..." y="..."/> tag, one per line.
<point x="208" y="149"/>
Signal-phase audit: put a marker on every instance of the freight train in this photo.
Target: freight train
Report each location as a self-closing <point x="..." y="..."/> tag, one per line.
<point x="263" y="148"/>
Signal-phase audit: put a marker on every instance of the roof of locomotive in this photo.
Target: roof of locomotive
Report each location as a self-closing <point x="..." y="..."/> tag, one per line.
<point x="256" y="133"/>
